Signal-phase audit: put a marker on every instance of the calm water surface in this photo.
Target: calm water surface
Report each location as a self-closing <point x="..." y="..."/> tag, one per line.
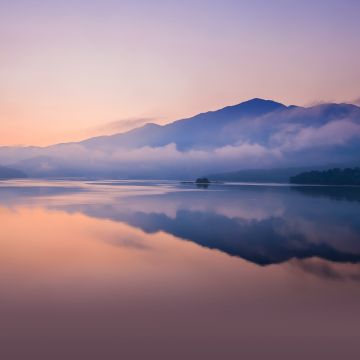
<point x="162" y="270"/>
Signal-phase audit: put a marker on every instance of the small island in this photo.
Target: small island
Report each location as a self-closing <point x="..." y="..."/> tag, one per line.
<point x="336" y="176"/>
<point x="202" y="181"/>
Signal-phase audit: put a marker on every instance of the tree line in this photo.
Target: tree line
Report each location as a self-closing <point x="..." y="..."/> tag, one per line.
<point x="336" y="176"/>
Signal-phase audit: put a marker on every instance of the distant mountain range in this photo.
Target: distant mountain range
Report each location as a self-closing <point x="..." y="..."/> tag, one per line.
<point x="256" y="134"/>
<point x="8" y="173"/>
<point x="276" y="175"/>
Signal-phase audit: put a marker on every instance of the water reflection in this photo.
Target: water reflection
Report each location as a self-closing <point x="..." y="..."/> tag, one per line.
<point x="347" y="193"/>
<point x="264" y="225"/>
<point x="101" y="271"/>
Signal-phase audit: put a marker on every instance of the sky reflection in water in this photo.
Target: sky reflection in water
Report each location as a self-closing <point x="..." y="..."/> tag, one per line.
<point x="148" y="270"/>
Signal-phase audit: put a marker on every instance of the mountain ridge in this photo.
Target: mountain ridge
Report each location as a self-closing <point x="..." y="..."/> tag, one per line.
<point x="256" y="133"/>
<point x="154" y="125"/>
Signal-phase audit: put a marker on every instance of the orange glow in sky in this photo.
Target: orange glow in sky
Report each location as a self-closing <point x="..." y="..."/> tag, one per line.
<point x="70" y="68"/>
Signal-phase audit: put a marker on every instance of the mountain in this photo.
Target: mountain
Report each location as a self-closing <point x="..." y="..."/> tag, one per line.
<point x="255" y="134"/>
<point x="8" y="173"/>
<point x="202" y="131"/>
<point x="252" y="121"/>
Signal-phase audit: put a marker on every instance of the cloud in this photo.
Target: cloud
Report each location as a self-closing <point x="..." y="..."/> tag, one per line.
<point x="296" y="137"/>
<point x="317" y="103"/>
<point x="356" y="102"/>
<point x="327" y="270"/>
<point x="169" y="156"/>
<point x="167" y="161"/>
<point x="123" y="125"/>
<point x="170" y="162"/>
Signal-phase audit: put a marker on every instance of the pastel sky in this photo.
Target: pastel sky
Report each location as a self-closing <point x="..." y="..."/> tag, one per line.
<point x="71" y="69"/>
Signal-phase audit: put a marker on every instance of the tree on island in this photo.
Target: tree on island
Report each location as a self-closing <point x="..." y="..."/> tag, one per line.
<point x="203" y="180"/>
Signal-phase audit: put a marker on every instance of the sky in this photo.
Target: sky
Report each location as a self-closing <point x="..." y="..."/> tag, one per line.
<point x="74" y="69"/>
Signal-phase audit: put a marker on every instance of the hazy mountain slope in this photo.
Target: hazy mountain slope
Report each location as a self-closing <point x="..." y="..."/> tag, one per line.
<point x="256" y="134"/>
<point x="8" y="173"/>
<point x="255" y="120"/>
<point x="281" y="175"/>
<point x="200" y="131"/>
<point x="262" y="175"/>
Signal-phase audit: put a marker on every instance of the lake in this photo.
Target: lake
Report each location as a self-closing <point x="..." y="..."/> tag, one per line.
<point x="164" y="270"/>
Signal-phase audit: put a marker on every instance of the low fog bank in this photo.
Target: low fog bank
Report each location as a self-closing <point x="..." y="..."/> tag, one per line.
<point x="257" y="134"/>
<point x="170" y="163"/>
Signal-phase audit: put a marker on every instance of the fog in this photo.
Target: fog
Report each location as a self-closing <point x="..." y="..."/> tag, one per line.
<point x="257" y="134"/>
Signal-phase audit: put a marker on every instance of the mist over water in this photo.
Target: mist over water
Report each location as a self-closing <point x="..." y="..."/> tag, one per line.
<point x="162" y="270"/>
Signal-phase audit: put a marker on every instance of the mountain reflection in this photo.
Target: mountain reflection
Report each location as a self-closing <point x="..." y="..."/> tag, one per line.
<point x="262" y="224"/>
<point x="347" y="193"/>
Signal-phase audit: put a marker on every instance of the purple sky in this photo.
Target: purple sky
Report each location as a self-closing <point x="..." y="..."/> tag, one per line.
<point x="72" y="69"/>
